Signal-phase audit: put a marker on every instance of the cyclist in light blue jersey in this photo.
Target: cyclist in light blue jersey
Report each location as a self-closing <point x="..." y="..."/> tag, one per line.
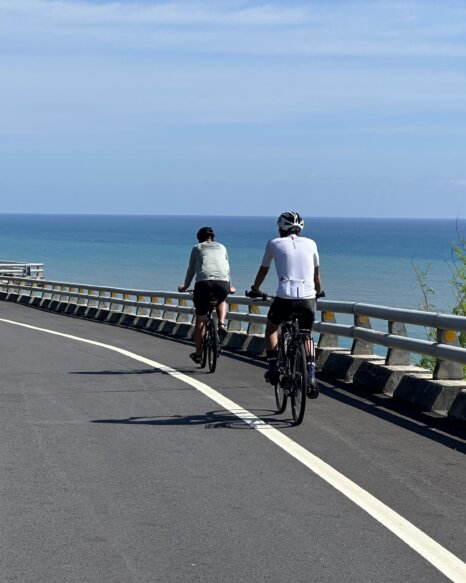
<point x="209" y="263"/>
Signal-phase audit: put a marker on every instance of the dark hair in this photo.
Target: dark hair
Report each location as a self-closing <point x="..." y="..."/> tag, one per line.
<point x="205" y="233"/>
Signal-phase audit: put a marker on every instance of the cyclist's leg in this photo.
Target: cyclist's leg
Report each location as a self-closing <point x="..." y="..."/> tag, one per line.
<point x="271" y="336"/>
<point x="201" y="303"/>
<point x="221" y="312"/>
<point x="199" y="332"/>
<point x="279" y="311"/>
<point x="307" y="309"/>
<point x="271" y="350"/>
<point x="220" y="290"/>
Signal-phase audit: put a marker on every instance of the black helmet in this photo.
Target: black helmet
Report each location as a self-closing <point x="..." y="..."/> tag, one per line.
<point x="290" y="222"/>
<point x="205" y="233"/>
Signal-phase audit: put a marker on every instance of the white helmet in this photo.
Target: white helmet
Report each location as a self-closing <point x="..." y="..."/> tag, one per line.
<point x="290" y="221"/>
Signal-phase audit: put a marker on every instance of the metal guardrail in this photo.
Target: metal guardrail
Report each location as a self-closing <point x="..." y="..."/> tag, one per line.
<point x="244" y="315"/>
<point x="14" y="268"/>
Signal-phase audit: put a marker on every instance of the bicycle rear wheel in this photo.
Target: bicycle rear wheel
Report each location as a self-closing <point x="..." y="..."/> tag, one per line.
<point x="205" y="347"/>
<point x="298" y="382"/>
<point x="212" y="345"/>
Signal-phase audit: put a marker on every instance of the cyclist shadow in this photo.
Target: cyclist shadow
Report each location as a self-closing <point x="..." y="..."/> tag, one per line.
<point x="211" y="420"/>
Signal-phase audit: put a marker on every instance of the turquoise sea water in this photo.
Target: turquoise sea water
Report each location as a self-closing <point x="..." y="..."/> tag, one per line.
<point x="367" y="260"/>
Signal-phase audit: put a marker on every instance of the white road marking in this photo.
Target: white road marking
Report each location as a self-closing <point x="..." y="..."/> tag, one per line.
<point x="442" y="559"/>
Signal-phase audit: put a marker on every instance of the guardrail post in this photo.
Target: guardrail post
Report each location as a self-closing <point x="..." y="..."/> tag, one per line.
<point x="182" y="316"/>
<point x="73" y="299"/>
<point x="444" y="369"/>
<point x="82" y="301"/>
<point x="166" y="314"/>
<point x="396" y="357"/>
<point x="154" y="312"/>
<point x="254" y="328"/>
<point x="233" y="325"/>
<point x="93" y="303"/>
<point x="328" y="340"/>
<point x="63" y="294"/>
<point x="115" y="306"/>
<point x="362" y="346"/>
<point x="126" y="308"/>
<point x="141" y="311"/>
<point x="48" y="293"/>
<point x="24" y="291"/>
<point x="103" y="305"/>
<point x="56" y="296"/>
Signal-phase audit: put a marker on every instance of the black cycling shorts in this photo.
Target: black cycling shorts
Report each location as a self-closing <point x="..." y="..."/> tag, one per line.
<point x="207" y="291"/>
<point x="282" y="309"/>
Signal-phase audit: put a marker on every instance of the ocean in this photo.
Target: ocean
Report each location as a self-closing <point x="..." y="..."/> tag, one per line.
<point x="362" y="260"/>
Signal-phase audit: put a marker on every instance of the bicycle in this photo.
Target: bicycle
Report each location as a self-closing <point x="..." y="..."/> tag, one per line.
<point x="211" y="341"/>
<point x="296" y="376"/>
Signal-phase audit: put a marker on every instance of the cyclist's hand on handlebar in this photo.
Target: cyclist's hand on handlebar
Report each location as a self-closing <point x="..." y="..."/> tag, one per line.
<point x="182" y="288"/>
<point x="320" y="295"/>
<point x="254" y="293"/>
<point x="232" y="289"/>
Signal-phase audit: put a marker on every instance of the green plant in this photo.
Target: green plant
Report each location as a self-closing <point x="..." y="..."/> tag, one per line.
<point x="422" y="277"/>
<point x="458" y="283"/>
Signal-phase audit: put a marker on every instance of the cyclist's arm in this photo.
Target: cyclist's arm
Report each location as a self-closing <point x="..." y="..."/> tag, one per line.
<point x="261" y="275"/>
<point x="317" y="280"/>
<point x="190" y="272"/>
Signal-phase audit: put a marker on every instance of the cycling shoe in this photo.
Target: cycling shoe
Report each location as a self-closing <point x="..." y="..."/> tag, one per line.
<point x="272" y="376"/>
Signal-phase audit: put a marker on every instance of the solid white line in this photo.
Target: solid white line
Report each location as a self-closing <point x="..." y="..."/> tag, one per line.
<point x="445" y="561"/>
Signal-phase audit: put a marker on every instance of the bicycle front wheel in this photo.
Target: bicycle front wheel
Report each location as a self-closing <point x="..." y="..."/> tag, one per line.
<point x="298" y="382"/>
<point x="280" y="398"/>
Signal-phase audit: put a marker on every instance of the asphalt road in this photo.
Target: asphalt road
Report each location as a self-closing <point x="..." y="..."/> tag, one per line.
<point x="113" y="470"/>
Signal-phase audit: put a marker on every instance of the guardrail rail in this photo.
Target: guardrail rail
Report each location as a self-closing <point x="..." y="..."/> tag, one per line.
<point x="245" y="316"/>
<point x="15" y="268"/>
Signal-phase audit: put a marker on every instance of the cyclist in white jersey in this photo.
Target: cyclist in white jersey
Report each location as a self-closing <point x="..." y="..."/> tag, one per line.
<point x="297" y="263"/>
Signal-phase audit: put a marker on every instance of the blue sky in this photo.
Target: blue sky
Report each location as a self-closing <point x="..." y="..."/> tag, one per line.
<point x="334" y="108"/>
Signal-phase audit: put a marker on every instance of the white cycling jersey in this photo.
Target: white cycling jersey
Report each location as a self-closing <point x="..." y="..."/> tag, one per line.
<point x="295" y="260"/>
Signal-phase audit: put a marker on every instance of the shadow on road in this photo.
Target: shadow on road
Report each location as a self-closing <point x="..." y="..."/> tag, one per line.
<point x="211" y="420"/>
<point x="442" y="430"/>
<point x="185" y="370"/>
<point x="116" y="372"/>
<point x="439" y="429"/>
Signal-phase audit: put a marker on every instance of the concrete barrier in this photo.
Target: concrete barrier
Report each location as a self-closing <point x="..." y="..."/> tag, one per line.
<point x="411" y="385"/>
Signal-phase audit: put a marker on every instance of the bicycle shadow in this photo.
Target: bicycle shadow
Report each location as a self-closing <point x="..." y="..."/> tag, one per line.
<point x="220" y="419"/>
<point x="184" y="370"/>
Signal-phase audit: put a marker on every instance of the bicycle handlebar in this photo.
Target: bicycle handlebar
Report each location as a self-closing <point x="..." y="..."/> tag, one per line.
<point x="260" y="295"/>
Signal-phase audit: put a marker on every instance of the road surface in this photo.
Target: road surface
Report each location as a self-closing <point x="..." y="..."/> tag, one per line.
<point x="122" y="462"/>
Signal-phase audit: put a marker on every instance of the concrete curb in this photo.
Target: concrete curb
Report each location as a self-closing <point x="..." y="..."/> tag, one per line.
<point x="409" y="384"/>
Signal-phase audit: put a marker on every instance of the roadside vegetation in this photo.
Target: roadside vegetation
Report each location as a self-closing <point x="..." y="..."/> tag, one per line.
<point x="458" y="284"/>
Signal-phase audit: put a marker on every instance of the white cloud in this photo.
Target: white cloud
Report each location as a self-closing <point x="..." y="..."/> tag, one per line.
<point x="361" y="27"/>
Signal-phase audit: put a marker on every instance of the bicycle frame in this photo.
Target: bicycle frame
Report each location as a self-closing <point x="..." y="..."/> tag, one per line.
<point x="295" y="348"/>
